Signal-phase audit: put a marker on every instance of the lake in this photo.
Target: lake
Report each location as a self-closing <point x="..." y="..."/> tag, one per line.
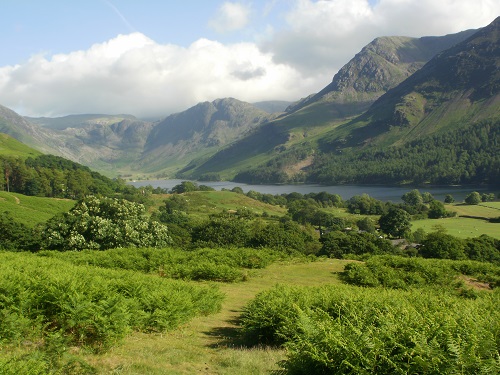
<point x="383" y="193"/>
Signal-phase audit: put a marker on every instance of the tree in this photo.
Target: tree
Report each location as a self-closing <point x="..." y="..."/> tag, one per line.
<point x="396" y="222"/>
<point x="473" y="198"/>
<point x="184" y="187"/>
<point x="437" y="210"/>
<point x="487" y="197"/>
<point x="449" y="199"/>
<point x="413" y="198"/>
<point x="366" y="224"/>
<point x="103" y="223"/>
<point x="427" y="197"/>
<point x="222" y="232"/>
<point x="442" y="246"/>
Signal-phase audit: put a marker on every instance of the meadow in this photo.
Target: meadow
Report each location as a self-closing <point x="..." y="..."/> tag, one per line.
<point x="472" y="221"/>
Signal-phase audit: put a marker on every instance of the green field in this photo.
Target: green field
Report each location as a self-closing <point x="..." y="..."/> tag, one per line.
<point x="472" y="221"/>
<point x="32" y="210"/>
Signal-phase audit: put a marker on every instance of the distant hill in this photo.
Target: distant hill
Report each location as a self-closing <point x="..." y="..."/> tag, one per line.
<point x="273" y="106"/>
<point x="460" y="86"/>
<point x="378" y="67"/>
<point x="78" y="121"/>
<point x="199" y="132"/>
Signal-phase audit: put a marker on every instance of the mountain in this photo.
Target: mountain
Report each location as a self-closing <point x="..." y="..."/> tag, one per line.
<point x="10" y="146"/>
<point x="460" y="86"/>
<point x="78" y="121"/>
<point x="290" y="141"/>
<point x="198" y="132"/>
<point x="272" y="106"/>
<point x="378" y="67"/>
<point x="441" y="125"/>
<point x="108" y="143"/>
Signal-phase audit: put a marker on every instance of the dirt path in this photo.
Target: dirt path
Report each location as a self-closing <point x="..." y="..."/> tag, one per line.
<point x="212" y="344"/>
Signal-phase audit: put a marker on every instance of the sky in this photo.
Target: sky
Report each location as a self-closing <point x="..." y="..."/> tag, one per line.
<point x="151" y="58"/>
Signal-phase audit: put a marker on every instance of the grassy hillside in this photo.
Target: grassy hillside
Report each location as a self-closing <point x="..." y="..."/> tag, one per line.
<point x="32" y="210"/>
<point x="10" y="146"/>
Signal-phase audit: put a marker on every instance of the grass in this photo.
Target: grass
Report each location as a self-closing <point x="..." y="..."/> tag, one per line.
<point x="461" y="227"/>
<point x="210" y="345"/>
<point x="472" y="221"/>
<point x="484" y="210"/>
<point x="203" y="203"/>
<point x="32" y="210"/>
<point x="12" y="147"/>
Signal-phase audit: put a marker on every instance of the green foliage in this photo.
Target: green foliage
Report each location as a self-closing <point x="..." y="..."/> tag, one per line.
<point x="346" y="330"/>
<point x="103" y="223"/>
<point x="366" y="224"/>
<point x="442" y="246"/>
<point x="396" y="222"/>
<point x="483" y="248"/>
<point x="91" y="307"/>
<point x="15" y="235"/>
<point x="54" y="176"/>
<point x="222" y="232"/>
<point x="466" y="155"/>
<point x="473" y="198"/>
<point x="189" y="186"/>
<point x="413" y="198"/>
<point x="337" y="244"/>
<point x="403" y="273"/>
<point x="449" y="199"/>
<point x="366" y="205"/>
<point x="226" y="265"/>
<point x="437" y="210"/>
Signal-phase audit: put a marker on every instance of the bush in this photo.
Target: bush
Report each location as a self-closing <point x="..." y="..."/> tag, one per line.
<point x="91" y="307"/>
<point x="346" y="330"/>
<point x="103" y="223"/>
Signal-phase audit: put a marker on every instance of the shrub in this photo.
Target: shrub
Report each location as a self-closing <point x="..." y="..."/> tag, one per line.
<point x="89" y="306"/>
<point x="345" y="330"/>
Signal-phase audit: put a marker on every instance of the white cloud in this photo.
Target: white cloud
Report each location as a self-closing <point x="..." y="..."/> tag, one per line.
<point x="230" y="17"/>
<point x="321" y="36"/>
<point x="133" y="74"/>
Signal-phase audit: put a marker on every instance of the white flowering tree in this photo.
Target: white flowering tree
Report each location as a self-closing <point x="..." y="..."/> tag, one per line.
<point x="104" y="223"/>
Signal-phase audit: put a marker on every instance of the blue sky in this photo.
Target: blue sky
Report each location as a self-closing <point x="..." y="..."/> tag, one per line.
<point x="152" y="58"/>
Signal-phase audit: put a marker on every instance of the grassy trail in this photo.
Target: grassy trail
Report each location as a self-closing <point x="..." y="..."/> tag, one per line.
<point x="211" y="345"/>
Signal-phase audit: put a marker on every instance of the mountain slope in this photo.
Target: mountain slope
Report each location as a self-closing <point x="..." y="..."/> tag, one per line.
<point x="289" y="142"/>
<point x="199" y="132"/>
<point x="459" y="86"/>
<point x="10" y="146"/>
<point x="378" y="67"/>
<point x="77" y="121"/>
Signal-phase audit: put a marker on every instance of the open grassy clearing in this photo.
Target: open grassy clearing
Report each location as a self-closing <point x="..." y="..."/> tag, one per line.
<point x="461" y="227"/>
<point x="210" y="345"/>
<point x="204" y="203"/>
<point x="32" y="210"/>
<point x="486" y="210"/>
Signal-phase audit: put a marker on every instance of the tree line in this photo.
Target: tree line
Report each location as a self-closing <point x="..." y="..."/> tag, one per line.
<point x="466" y="155"/>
